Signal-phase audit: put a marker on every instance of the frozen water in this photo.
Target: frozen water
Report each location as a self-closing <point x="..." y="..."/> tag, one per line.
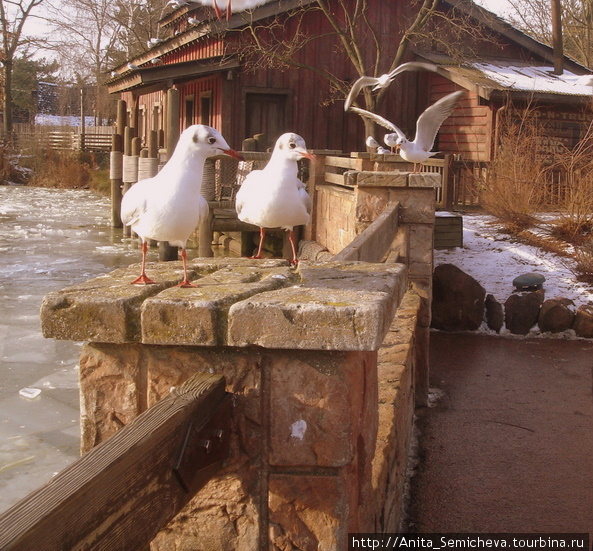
<point x="49" y="239"/>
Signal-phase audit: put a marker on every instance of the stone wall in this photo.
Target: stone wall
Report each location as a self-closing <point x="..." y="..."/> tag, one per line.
<point x="321" y="362"/>
<point x="343" y="211"/>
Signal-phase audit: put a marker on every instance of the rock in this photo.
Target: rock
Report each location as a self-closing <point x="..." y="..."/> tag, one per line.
<point x="521" y="311"/>
<point x="458" y="300"/>
<point x="494" y="314"/>
<point x="529" y="282"/>
<point x="556" y="315"/>
<point x="583" y="321"/>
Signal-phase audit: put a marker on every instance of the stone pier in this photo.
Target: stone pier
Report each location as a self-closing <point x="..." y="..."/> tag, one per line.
<point x="320" y="362"/>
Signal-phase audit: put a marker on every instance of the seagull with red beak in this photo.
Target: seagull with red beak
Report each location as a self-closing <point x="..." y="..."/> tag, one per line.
<point x="169" y="206"/>
<point x="275" y="197"/>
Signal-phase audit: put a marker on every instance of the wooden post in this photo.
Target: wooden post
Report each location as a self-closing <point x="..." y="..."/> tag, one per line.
<point x="126" y="177"/>
<point x="447" y="183"/>
<point x="172" y="130"/>
<point x="115" y="169"/>
<point x="82" y="121"/>
<point x="153" y="145"/>
<point x="122" y="116"/>
<point x="316" y="178"/>
<point x="166" y="251"/>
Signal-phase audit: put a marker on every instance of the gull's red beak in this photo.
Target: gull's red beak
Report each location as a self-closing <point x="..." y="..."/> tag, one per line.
<point x="308" y="155"/>
<point x="232" y="153"/>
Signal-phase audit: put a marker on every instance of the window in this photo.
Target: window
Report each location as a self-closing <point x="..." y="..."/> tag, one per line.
<point x="206" y="108"/>
<point x="189" y="110"/>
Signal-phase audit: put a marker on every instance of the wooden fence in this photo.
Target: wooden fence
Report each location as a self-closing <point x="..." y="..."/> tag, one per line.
<point x="60" y="138"/>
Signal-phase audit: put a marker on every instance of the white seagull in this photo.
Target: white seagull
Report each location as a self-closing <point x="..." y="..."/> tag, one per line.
<point x="275" y="197"/>
<point x="169" y="206"/>
<point x="230" y="6"/>
<point x="132" y="67"/>
<point x="193" y="21"/>
<point x="419" y="149"/>
<point x="384" y="80"/>
<point x="374" y="144"/>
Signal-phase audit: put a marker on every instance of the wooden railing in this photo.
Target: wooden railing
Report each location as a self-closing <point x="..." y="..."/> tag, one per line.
<point x="120" y="494"/>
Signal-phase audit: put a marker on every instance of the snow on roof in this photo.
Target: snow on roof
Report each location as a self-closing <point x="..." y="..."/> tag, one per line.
<point x="530" y="78"/>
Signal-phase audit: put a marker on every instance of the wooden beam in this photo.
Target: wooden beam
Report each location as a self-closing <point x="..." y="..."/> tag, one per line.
<point x="125" y="490"/>
<point x="372" y="244"/>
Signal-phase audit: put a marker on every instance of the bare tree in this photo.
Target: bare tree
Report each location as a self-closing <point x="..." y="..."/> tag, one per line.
<point x="534" y="18"/>
<point x="13" y="15"/>
<point x="356" y="35"/>
<point x="90" y="36"/>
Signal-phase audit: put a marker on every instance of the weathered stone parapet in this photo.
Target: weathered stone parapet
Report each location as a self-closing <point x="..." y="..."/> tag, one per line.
<point x="321" y="364"/>
<point x="237" y="302"/>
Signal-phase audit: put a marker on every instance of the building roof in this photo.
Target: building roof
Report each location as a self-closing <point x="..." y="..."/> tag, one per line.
<point x="494" y="80"/>
<point x="530" y="78"/>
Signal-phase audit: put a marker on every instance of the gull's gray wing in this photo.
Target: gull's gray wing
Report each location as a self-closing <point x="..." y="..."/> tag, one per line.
<point x="379" y="120"/>
<point x="431" y="119"/>
<point x="412" y="66"/>
<point x="356" y="88"/>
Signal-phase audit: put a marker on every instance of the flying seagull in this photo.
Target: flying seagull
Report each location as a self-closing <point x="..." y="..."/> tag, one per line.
<point x="384" y="80"/>
<point x="274" y="197"/>
<point x="418" y="150"/>
<point x="169" y="206"/>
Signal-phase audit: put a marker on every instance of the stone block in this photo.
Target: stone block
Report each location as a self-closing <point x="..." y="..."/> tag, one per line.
<point x="309" y="513"/>
<point x="425" y="179"/>
<point x="225" y="514"/>
<point x="416" y="205"/>
<point x="312" y="318"/>
<point x="198" y="315"/>
<point x="105" y="308"/>
<point x="318" y="406"/>
<point x="384" y="278"/>
<point x="112" y="390"/>
<point x="382" y="179"/>
<point x="421" y="244"/>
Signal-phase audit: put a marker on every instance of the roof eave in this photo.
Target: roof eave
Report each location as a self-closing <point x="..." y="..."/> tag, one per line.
<point x="165" y="75"/>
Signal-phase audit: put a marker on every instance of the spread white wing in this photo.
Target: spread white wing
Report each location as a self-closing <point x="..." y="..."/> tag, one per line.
<point x="379" y="120"/>
<point x="412" y="66"/>
<point x="357" y="87"/>
<point x="431" y="119"/>
<point x="372" y="81"/>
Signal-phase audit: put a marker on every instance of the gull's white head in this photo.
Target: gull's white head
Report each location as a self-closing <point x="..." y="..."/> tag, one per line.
<point x="206" y="141"/>
<point x="394" y="140"/>
<point x="293" y="147"/>
<point x="371" y="142"/>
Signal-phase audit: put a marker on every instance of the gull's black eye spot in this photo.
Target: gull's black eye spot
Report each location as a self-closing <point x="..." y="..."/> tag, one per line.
<point x="211" y="140"/>
<point x="195" y="138"/>
<point x="292" y="145"/>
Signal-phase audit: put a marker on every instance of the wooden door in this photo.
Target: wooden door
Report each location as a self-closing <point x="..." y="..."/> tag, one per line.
<point x="266" y="114"/>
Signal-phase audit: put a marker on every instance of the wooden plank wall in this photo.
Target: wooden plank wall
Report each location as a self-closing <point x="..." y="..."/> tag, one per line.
<point x="468" y="131"/>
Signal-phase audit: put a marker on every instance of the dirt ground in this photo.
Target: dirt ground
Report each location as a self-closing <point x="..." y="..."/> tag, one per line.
<point x="508" y="444"/>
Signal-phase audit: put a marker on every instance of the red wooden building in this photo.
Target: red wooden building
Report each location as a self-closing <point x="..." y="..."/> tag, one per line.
<point x="221" y="82"/>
